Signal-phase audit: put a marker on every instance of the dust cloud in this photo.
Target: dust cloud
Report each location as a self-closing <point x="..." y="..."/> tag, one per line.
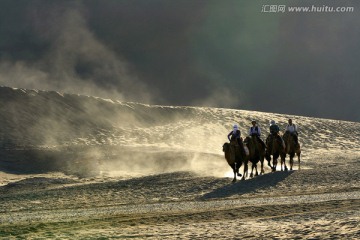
<point x="76" y="61"/>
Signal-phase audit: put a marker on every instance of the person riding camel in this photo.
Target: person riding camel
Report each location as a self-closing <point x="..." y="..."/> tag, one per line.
<point x="256" y="131"/>
<point x="274" y="132"/>
<point x="274" y="128"/>
<point x="235" y="134"/>
<point x="291" y="130"/>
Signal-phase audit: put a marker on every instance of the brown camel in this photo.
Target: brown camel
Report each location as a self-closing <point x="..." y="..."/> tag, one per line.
<point x="292" y="148"/>
<point x="274" y="147"/>
<point x="256" y="154"/>
<point x="234" y="157"/>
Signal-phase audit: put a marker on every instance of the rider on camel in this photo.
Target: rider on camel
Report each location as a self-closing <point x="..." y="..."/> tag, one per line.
<point x="255" y="131"/>
<point x="274" y="128"/>
<point x="235" y="134"/>
<point x="274" y="132"/>
<point x="292" y="130"/>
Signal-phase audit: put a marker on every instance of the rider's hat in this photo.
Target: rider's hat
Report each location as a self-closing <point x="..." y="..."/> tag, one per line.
<point x="235" y="126"/>
<point x="253" y="121"/>
<point x="272" y="122"/>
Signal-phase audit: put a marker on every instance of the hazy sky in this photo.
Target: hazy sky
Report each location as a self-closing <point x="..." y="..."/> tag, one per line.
<point x="188" y="52"/>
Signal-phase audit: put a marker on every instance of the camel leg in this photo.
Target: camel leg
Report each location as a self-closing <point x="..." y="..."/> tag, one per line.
<point x="262" y="167"/>
<point x="244" y="171"/>
<point x="237" y="171"/>
<point x="252" y="169"/>
<point x="268" y="158"/>
<point x="256" y="171"/>
<point x="243" y="177"/>
<point x="269" y="163"/>
<point x="234" y="170"/>
<point x="299" y="159"/>
<point x="274" y="164"/>
<point x="292" y="155"/>
<point x="283" y="160"/>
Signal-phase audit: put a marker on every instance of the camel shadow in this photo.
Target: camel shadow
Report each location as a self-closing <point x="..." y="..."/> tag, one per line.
<point x="249" y="186"/>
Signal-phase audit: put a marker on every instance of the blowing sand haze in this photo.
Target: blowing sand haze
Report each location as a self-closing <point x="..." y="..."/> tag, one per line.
<point x="80" y="167"/>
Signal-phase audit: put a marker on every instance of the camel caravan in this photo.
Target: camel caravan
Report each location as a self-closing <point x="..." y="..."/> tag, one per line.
<point x="254" y="150"/>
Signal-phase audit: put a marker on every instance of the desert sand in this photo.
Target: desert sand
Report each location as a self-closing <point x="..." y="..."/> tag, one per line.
<point x="131" y="182"/>
<point x="322" y="200"/>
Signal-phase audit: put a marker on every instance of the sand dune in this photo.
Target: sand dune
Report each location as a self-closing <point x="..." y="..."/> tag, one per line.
<point x="77" y="167"/>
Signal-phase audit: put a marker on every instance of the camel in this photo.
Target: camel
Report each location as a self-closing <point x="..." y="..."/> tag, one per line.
<point x="291" y="149"/>
<point x="234" y="157"/>
<point x="256" y="154"/>
<point x="274" y="147"/>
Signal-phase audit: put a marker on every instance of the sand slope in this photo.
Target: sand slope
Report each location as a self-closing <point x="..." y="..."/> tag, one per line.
<point x="133" y="171"/>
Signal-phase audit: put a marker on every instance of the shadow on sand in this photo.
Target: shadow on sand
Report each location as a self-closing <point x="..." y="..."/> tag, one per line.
<point x="252" y="185"/>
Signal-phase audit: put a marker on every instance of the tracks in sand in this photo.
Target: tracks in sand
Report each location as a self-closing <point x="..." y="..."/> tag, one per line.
<point x="296" y="203"/>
